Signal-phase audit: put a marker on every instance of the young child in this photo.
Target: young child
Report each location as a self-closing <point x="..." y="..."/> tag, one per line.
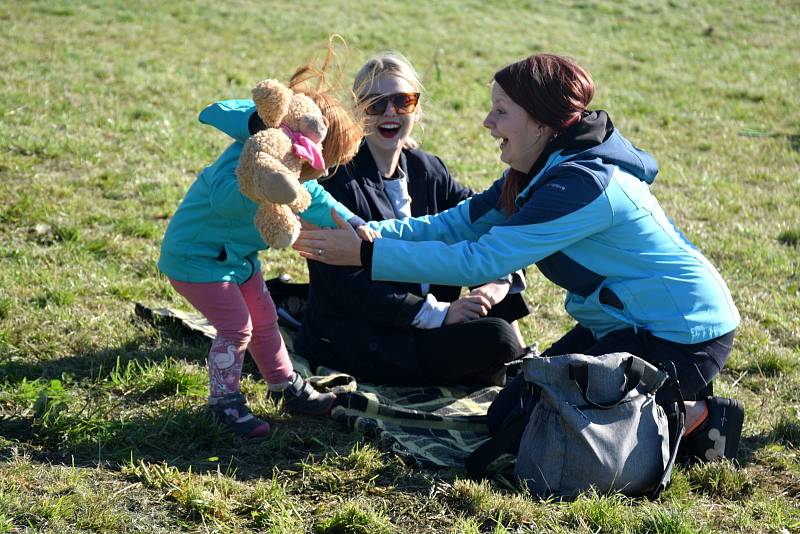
<point x="210" y="255"/>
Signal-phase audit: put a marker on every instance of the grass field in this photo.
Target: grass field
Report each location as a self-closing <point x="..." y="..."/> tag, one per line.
<point x="101" y="422"/>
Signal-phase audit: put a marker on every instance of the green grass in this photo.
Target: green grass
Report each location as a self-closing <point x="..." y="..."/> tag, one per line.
<point x="101" y="420"/>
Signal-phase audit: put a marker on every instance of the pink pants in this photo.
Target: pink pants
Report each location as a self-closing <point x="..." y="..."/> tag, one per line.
<point x="243" y="315"/>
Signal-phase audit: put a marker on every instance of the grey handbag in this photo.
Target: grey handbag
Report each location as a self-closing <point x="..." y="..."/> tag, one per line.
<point x="595" y="424"/>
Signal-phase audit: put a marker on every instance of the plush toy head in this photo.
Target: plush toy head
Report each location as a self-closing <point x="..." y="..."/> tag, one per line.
<point x="299" y="117"/>
<point x="275" y="161"/>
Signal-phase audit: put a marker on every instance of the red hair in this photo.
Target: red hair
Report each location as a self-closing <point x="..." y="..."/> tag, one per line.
<point x="344" y="129"/>
<point x="554" y="91"/>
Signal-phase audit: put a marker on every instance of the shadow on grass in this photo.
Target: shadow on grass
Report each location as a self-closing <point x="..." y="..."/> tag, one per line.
<point x="97" y="365"/>
<point x="785" y="433"/>
<point x="91" y="421"/>
<point x="184" y="436"/>
<point x="176" y="342"/>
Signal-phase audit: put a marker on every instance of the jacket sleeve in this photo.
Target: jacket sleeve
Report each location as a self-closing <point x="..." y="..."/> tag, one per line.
<point x="552" y="219"/>
<point x="465" y="222"/>
<point x="230" y="116"/>
<point x="319" y="212"/>
<point x="454" y="193"/>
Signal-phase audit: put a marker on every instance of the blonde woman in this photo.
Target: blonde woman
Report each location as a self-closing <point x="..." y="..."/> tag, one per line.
<point x="391" y="332"/>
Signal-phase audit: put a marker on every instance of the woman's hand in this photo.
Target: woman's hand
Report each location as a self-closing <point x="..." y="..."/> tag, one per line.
<point x="367" y="234"/>
<point x="494" y="292"/>
<point x="466" y="309"/>
<point x="334" y="247"/>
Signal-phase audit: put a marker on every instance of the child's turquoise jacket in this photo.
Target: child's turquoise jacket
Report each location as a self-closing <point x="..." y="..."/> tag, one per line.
<point x="212" y="237"/>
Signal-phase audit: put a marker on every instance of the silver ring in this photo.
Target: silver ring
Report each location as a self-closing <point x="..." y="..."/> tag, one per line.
<point x="319" y="252"/>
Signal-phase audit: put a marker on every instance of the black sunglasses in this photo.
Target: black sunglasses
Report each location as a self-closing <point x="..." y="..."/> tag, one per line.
<point x="403" y="103"/>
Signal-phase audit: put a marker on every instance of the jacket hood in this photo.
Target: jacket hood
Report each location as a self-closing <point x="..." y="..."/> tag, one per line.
<point x="237" y="118"/>
<point x="595" y="137"/>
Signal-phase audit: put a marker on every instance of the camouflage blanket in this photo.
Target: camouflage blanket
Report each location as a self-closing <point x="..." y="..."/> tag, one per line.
<point x="435" y="426"/>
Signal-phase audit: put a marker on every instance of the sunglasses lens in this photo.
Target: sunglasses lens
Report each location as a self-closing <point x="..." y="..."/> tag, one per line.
<point x="376" y="105"/>
<point x="403" y="103"/>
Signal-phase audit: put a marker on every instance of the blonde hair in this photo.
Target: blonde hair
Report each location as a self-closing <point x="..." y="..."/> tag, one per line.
<point x="393" y="64"/>
<point x="345" y="130"/>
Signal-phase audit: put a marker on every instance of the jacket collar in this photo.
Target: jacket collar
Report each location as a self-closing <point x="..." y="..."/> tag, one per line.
<point x="365" y="173"/>
<point x="593" y="128"/>
<point x="368" y="169"/>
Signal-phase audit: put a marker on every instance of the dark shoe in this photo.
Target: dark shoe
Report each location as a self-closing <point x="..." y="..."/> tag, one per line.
<point x="718" y="437"/>
<point x="231" y="410"/>
<point x="300" y="397"/>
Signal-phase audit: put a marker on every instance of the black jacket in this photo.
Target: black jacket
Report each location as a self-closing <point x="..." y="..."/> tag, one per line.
<point x="353" y="323"/>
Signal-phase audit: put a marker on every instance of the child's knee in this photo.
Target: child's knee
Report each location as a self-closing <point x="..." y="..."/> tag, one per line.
<point x="240" y="334"/>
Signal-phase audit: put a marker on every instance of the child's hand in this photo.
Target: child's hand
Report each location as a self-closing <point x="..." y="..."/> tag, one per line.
<point x="367" y="234"/>
<point x="305" y="225"/>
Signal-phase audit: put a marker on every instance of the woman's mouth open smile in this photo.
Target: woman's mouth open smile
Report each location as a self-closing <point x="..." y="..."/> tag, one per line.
<point x="389" y="129"/>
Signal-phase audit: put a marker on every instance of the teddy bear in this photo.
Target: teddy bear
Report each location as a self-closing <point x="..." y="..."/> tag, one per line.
<point x="275" y="161"/>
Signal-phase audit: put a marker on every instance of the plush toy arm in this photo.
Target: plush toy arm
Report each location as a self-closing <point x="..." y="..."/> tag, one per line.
<point x="262" y="176"/>
<point x="302" y="202"/>
<point x="271" y="183"/>
<point x="272" y="100"/>
<point x="277" y="225"/>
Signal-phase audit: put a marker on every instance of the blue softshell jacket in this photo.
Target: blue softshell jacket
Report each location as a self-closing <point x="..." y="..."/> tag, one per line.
<point x="211" y="237"/>
<point x="589" y="222"/>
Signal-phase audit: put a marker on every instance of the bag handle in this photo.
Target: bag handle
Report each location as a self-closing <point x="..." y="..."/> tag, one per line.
<point x="677" y="425"/>
<point x="635" y="370"/>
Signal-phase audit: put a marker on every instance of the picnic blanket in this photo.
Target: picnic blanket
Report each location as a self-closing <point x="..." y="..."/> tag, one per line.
<point x="434" y="426"/>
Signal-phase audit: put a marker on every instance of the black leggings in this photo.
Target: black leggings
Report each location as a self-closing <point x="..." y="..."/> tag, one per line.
<point x="467" y="353"/>
<point x="696" y="364"/>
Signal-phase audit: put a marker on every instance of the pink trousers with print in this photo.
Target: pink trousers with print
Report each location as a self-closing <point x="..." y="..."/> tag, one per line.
<point x="243" y="315"/>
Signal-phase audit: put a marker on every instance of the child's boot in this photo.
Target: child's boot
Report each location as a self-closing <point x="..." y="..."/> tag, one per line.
<point x="231" y="410"/>
<point x="299" y="397"/>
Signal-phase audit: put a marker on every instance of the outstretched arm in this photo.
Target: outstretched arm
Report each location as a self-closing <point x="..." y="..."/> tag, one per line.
<point x="465" y="222"/>
<point x="324" y="206"/>
<point x="552" y="221"/>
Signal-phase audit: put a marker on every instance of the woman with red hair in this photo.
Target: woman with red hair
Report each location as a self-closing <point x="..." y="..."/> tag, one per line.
<point x="576" y="202"/>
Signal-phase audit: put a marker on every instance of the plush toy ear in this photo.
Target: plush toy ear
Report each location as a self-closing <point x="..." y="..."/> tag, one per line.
<point x="272" y="100"/>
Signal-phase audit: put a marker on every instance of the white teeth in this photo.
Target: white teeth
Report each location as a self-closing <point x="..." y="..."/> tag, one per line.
<point x="390" y="126"/>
